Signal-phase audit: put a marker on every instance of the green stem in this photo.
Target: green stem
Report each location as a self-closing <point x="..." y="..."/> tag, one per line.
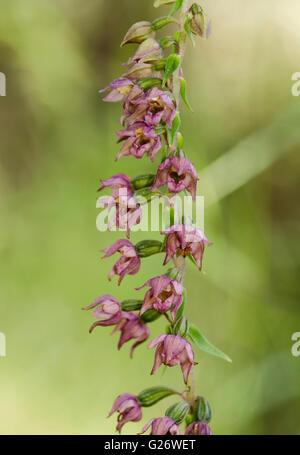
<point x="176" y="75"/>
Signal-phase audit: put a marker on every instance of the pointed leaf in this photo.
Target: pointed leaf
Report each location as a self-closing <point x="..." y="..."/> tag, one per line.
<point x="172" y="63"/>
<point x="187" y="28"/>
<point x="181" y="308"/>
<point x="183" y="93"/>
<point x="177" y="6"/>
<point x="175" y="126"/>
<point x="158" y="3"/>
<point x="203" y="344"/>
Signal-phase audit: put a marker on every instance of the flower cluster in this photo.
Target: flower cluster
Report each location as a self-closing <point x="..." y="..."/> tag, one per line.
<point x="150" y="90"/>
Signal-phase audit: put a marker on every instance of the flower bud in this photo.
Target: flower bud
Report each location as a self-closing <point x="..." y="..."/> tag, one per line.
<point x="181" y="327"/>
<point x="131" y="305"/>
<point x="153" y="395"/>
<point x="150" y="316"/>
<point x="199" y="23"/>
<point x="142" y="181"/>
<point x="202" y="410"/>
<point x="138" y="33"/>
<point x="147" y="248"/>
<point x="178" y="411"/>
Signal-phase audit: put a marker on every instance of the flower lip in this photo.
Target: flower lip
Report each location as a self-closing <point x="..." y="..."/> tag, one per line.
<point x="172" y="350"/>
<point x="129" y="409"/>
<point x="185" y="240"/>
<point x="161" y="426"/>
<point x="165" y="294"/>
<point x="178" y="174"/>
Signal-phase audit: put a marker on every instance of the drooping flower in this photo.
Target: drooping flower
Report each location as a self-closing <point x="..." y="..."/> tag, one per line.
<point x="129" y="409"/>
<point x="165" y="294"/>
<point x="147" y="51"/>
<point x="107" y="310"/>
<point x="128" y="264"/>
<point x="138" y="32"/>
<point x="153" y="107"/>
<point x="161" y="426"/>
<point x="127" y="212"/>
<point x="131" y="327"/>
<point x="198" y="428"/>
<point x="119" y="89"/>
<point x="140" y="70"/>
<point x="178" y="174"/>
<point x="184" y="240"/>
<point x="140" y="139"/>
<point x="172" y="350"/>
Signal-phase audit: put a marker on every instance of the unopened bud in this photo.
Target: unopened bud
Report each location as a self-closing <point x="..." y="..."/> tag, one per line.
<point x="142" y="181"/>
<point x="138" y="33"/>
<point x="153" y="395"/>
<point x="202" y="410"/>
<point x="199" y="23"/>
<point x="178" y="411"/>
<point x="150" y="316"/>
<point x="131" y="305"/>
<point x="147" y="248"/>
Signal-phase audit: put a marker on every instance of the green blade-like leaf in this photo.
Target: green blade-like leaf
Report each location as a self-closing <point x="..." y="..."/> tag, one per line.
<point x="203" y="344"/>
<point x="181" y="308"/>
<point x="172" y="63"/>
<point x="159" y="3"/>
<point x="177" y="6"/>
<point x="175" y="127"/>
<point x="187" y="28"/>
<point x="183" y="93"/>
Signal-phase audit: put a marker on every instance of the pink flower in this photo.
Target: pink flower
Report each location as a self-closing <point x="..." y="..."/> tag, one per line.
<point x="184" y="240"/>
<point x="131" y="327"/>
<point x="172" y="350"/>
<point x="120" y="89"/>
<point x="128" y="264"/>
<point x="198" y="428"/>
<point x="161" y="426"/>
<point x="147" y="51"/>
<point x="129" y="409"/>
<point x="107" y="309"/>
<point x="153" y="107"/>
<point x="178" y="174"/>
<point x="140" y="139"/>
<point x="165" y="293"/>
<point x="127" y="212"/>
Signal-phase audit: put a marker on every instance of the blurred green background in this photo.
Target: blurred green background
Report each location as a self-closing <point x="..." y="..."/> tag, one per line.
<point x="57" y="140"/>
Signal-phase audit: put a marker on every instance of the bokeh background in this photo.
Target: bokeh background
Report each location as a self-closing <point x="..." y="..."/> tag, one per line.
<point x="56" y="142"/>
